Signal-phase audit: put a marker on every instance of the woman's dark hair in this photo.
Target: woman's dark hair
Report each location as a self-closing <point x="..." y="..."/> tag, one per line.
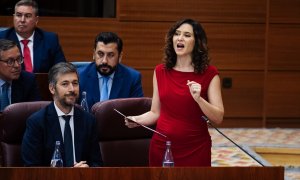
<point x="200" y="58"/>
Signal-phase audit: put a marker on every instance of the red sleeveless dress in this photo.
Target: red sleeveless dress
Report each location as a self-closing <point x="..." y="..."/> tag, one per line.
<point x="180" y="119"/>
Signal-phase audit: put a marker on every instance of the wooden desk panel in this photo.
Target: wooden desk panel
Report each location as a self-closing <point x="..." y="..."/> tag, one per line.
<point x="245" y="173"/>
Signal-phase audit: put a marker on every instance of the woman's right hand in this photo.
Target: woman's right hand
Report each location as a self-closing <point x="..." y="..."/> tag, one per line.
<point x="129" y="122"/>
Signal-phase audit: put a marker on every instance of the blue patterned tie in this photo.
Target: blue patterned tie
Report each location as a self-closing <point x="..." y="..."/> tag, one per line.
<point x="104" y="89"/>
<point x="4" y="96"/>
<point x="68" y="144"/>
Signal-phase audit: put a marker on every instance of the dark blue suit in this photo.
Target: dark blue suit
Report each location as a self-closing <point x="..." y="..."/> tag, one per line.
<point x="43" y="130"/>
<point x="46" y="48"/>
<point x="25" y="88"/>
<point x="126" y="83"/>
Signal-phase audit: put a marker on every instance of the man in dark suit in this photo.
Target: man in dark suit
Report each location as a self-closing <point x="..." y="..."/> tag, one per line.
<point x="49" y="125"/>
<point x="15" y="85"/>
<point x="106" y="72"/>
<point x="40" y="49"/>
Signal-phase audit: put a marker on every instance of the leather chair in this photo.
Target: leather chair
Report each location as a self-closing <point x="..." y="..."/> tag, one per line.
<point x="122" y="146"/>
<point x="80" y="64"/>
<point x="12" y="128"/>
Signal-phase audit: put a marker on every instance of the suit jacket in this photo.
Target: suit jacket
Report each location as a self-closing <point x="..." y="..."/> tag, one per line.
<point x="43" y="130"/>
<point x="25" y="88"/>
<point x="126" y="83"/>
<point x="46" y="49"/>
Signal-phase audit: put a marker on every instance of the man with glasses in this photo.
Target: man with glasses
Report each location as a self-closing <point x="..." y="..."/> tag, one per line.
<point x="40" y="49"/>
<point x="15" y="85"/>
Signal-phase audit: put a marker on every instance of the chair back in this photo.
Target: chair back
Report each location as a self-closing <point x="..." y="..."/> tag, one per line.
<point x="43" y="85"/>
<point x="80" y="64"/>
<point x="120" y="145"/>
<point x="12" y="128"/>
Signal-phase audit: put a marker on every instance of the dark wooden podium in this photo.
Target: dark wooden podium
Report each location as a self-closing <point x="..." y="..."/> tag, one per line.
<point x="144" y="173"/>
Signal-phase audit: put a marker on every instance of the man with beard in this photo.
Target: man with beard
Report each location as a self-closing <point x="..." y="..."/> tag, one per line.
<point x="15" y="85"/>
<point x="106" y="78"/>
<point x="62" y="121"/>
<point x="40" y="49"/>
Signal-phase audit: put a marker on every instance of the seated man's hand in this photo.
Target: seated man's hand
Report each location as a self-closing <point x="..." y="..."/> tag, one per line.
<point x="81" y="164"/>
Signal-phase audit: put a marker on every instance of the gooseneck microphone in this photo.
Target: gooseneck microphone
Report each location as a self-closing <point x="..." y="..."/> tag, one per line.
<point x="210" y="124"/>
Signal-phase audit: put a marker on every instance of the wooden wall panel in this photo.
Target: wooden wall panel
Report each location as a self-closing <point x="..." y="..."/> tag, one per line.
<point x="143" y="43"/>
<point x="283" y="122"/>
<point x="232" y="46"/>
<point x="245" y="98"/>
<point x="241" y="122"/>
<point x="147" y="79"/>
<point x="236" y="46"/>
<point x="284" y="11"/>
<point x="284" y="47"/>
<point x="77" y="35"/>
<point x="283" y="95"/>
<point x="205" y="10"/>
<point x="6" y="21"/>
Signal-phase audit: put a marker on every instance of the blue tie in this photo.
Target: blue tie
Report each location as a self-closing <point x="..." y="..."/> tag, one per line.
<point x="4" y="96"/>
<point x="104" y="89"/>
<point x="68" y="144"/>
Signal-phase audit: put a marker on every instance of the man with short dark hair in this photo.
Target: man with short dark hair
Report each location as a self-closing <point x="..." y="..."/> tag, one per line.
<point x="106" y="78"/>
<point x="62" y="121"/>
<point x="40" y="49"/>
<point x="15" y="85"/>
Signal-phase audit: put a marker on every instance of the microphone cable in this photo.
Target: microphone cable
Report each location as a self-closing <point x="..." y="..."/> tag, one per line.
<point x="210" y="124"/>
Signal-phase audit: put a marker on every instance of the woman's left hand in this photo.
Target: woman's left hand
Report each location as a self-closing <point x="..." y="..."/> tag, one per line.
<point x="195" y="89"/>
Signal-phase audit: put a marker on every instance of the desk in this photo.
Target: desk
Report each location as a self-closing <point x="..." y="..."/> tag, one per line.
<point x="143" y="173"/>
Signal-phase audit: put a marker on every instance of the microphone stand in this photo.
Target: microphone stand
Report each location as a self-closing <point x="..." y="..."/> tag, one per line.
<point x="210" y="124"/>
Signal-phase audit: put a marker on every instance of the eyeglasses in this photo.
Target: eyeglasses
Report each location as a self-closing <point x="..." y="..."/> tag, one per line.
<point x="10" y="62"/>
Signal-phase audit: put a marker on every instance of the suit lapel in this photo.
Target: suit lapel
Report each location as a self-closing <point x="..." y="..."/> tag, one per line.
<point x="93" y="87"/>
<point x="16" y="90"/>
<point x="37" y="52"/>
<point x="53" y="123"/>
<point x="53" y="129"/>
<point x="117" y="83"/>
<point x="78" y="137"/>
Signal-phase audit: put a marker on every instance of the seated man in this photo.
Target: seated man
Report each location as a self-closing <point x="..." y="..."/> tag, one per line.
<point x="107" y="78"/>
<point x="40" y="49"/>
<point x="15" y="85"/>
<point x="64" y="122"/>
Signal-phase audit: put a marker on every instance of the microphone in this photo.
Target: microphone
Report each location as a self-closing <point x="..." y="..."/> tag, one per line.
<point x="210" y="124"/>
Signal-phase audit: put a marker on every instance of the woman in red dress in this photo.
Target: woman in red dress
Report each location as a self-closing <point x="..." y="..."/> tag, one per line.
<point x="185" y="88"/>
